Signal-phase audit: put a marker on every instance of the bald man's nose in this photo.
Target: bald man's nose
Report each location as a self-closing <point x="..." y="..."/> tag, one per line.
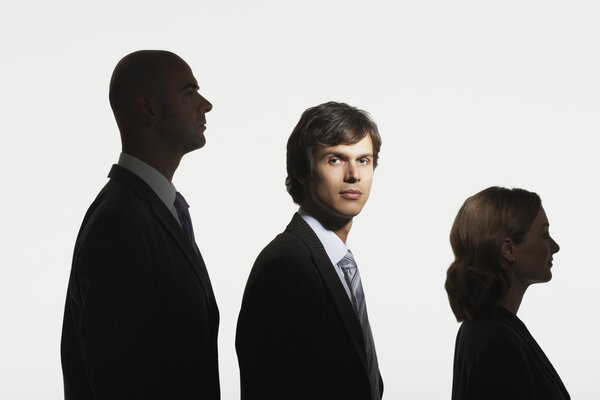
<point x="205" y="105"/>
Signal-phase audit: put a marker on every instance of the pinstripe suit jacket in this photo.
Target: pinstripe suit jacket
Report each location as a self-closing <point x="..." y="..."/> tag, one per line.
<point x="298" y="336"/>
<point x="140" y="318"/>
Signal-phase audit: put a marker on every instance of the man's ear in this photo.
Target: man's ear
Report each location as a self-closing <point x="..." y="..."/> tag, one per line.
<point x="508" y="251"/>
<point x="147" y="109"/>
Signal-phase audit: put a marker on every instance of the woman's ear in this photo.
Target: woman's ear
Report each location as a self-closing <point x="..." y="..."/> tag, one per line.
<point x="507" y="250"/>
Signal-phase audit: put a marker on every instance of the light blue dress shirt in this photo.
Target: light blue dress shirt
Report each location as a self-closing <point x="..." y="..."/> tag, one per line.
<point x="334" y="247"/>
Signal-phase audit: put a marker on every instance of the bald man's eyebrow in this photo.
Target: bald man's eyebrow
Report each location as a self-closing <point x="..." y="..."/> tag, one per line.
<point x="191" y="85"/>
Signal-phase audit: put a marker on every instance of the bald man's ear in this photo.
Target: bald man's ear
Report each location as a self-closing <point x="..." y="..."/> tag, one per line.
<point x="147" y="109"/>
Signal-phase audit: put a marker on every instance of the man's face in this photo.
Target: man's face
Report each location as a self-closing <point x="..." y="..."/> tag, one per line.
<point x="182" y="110"/>
<point x="341" y="180"/>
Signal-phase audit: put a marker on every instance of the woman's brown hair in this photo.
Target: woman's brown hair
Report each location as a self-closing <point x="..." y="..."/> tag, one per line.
<point x="476" y="281"/>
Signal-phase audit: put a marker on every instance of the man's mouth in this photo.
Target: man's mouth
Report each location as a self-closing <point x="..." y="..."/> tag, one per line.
<point x="351" y="194"/>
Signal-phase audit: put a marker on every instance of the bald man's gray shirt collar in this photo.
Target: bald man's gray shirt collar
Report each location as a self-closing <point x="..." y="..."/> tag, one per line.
<point x="164" y="189"/>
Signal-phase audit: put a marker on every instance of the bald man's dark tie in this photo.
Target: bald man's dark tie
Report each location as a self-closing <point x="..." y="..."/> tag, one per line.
<point x="184" y="218"/>
<point x="352" y="277"/>
<point x="181" y="206"/>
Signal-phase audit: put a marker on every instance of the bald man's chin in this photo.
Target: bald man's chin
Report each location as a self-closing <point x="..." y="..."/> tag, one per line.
<point x="200" y="142"/>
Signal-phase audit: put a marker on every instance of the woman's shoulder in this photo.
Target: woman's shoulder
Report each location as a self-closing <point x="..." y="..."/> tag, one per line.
<point x="497" y="329"/>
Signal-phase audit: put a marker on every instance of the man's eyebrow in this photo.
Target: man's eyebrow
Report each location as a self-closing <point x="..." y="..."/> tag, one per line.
<point x="334" y="154"/>
<point x="191" y="85"/>
<point x="342" y="155"/>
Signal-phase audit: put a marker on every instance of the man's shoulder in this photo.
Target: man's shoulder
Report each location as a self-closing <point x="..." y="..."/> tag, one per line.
<point x="124" y="189"/>
<point x="115" y="205"/>
<point x="116" y="196"/>
<point x="285" y="269"/>
<point x="286" y="245"/>
<point x="287" y="252"/>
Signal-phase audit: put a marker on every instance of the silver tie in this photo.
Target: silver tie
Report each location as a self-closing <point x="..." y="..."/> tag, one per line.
<point x="352" y="277"/>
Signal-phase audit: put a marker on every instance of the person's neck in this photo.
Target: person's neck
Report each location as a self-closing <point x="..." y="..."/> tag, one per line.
<point x="514" y="297"/>
<point x="343" y="231"/>
<point x="340" y="225"/>
<point x="165" y="165"/>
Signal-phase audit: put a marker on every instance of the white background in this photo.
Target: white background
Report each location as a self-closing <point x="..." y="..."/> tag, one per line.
<point x="467" y="94"/>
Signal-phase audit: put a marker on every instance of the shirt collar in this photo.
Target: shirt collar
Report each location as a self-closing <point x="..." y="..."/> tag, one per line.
<point x="164" y="189"/>
<point x="334" y="247"/>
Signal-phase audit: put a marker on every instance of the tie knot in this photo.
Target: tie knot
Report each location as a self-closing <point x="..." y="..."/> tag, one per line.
<point x="348" y="261"/>
<point x="180" y="203"/>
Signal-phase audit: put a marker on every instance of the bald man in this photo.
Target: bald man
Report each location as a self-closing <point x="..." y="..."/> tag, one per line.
<point x="141" y="319"/>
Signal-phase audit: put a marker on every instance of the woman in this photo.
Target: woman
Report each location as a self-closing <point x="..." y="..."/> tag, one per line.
<point x="501" y="245"/>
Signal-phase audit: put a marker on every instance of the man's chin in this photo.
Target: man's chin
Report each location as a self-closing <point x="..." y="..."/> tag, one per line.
<point x="198" y="143"/>
<point x="350" y="212"/>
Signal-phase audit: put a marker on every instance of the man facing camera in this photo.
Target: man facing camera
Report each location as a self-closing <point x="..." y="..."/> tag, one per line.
<point x="141" y="319"/>
<point x="303" y="330"/>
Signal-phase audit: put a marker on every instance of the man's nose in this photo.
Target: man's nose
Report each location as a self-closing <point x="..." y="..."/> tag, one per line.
<point x="352" y="173"/>
<point x="205" y="105"/>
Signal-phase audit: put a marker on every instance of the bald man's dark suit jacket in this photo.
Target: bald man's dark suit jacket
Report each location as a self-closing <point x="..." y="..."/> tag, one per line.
<point x="140" y="319"/>
<point x="298" y="336"/>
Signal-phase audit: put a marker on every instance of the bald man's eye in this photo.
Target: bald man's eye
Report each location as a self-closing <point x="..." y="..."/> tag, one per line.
<point x="190" y="93"/>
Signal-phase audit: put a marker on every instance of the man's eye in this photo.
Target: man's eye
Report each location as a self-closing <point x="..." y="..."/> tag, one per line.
<point x="364" y="161"/>
<point x="334" y="160"/>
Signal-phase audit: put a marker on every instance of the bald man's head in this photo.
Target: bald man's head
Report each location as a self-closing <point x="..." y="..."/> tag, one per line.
<point x="139" y="74"/>
<point x="154" y="96"/>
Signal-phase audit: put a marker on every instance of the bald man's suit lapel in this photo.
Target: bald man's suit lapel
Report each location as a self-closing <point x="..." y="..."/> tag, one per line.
<point x="298" y="336"/>
<point x="141" y="318"/>
<point x="170" y="225"/>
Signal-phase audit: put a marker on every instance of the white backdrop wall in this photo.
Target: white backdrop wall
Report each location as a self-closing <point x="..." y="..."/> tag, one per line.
<point x="467" y="94"/>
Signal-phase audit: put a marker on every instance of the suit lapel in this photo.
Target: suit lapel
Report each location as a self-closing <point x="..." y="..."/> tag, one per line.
<point x="167" y="220"/>
<point x="301" y="229"/>
<point x="193" y="255"/>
